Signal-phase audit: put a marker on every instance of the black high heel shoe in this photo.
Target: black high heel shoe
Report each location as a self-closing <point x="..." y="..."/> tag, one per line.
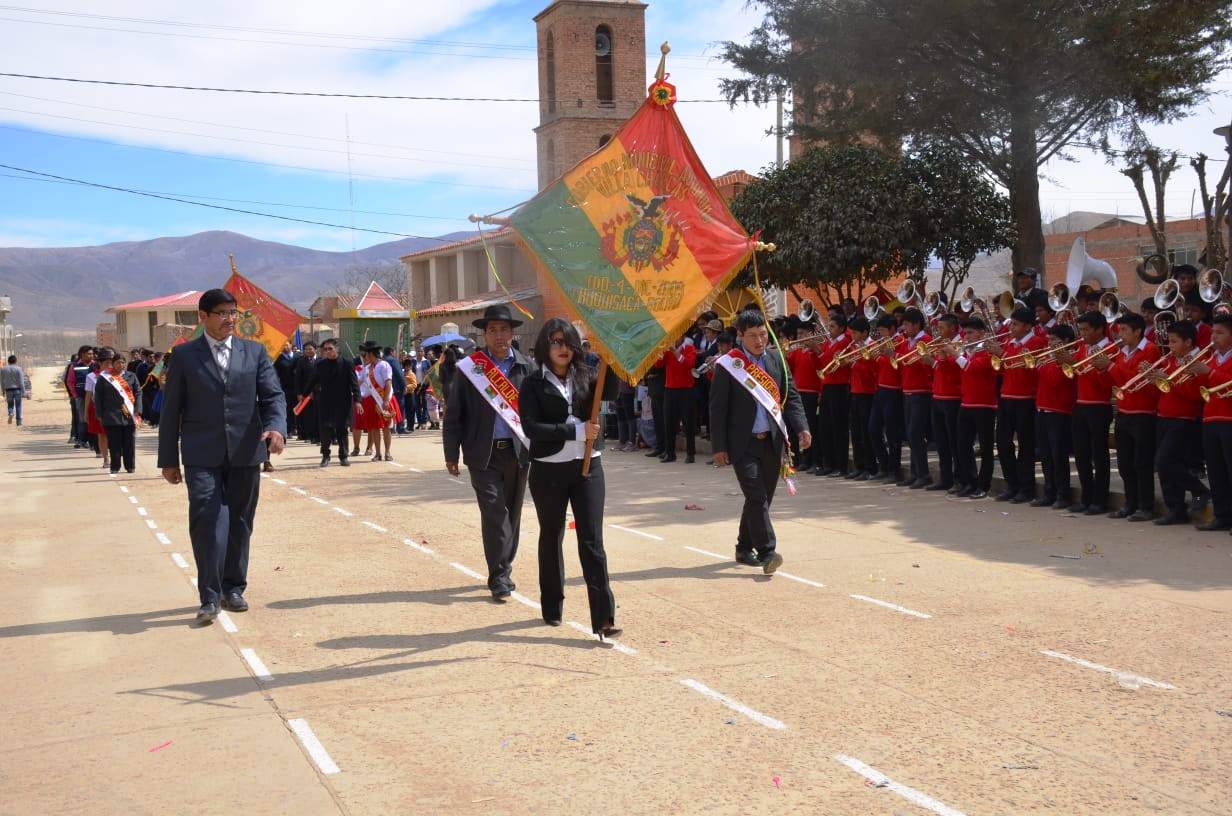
<point x="608" y="631"/>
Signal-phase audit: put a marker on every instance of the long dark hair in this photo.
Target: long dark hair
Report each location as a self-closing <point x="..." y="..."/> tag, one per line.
<point x="581" y="376"/>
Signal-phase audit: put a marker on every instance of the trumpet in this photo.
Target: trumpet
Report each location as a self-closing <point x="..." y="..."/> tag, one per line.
<point x="1032" y="359"/>
<point x="867" y="352"/>
<point x="812" y="338"/>
<point x="995" y="338"/>
<point x="1072" y="370"/>
<point x="1025" y="359"/>
<point x="1182" y="374"/>
<point x="840" y="360"/>
<point x="1215" y="392"/>
<point x="1142" y="378"/>
<point x="906" y="357"/>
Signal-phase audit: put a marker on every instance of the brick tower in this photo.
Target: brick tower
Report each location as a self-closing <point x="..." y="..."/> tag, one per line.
<point x="592" y="77"/>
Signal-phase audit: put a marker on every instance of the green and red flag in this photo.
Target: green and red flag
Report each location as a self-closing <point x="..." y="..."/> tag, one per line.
<point x="636" y="237"/>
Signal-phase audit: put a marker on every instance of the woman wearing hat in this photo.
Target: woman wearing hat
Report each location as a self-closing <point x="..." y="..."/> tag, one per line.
<point x="379" y="408"/>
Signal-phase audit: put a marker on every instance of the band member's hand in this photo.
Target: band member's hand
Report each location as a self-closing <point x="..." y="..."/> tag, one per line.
<point x="721" y="459"/>
<point x="173" y="475"/>
<point x="276" y="441"/>
<point x="806" y="440"/>
<point x="452" y="467"/>
<point x="1200" y="369"/>
<point x="592" y="431"/>
<point x="1101" y="363"/>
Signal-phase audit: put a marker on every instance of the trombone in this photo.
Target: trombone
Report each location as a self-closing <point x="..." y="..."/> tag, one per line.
<point x="906" y="357"/>
<point x="840" y="360"/>
<point x="1182" y="374"/>
<point x="1030" y="359"/>
<point x="1136" y="382"/>
<point x="1072" y="370"/>
<point x="867" y="352"/>
<point x="1215" y="391"/>
<point x="816" y="337"/>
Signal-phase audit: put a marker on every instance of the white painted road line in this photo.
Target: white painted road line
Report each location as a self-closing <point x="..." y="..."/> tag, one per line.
<point x="465" y="570"/>
<point x="162" y="538"/>
<point x="319" y="500"/>
<point x="179" y="560"/>
<point x="150" y="523"/>
<point x="192" y="579"/>
<point x="299" y="490"/>
<point x="651" y="536"/>
<point x="340" y="511"/>
<point x="707" y="552"/>
<point x="880" y="780"/>
<point x="313" y="746"/>
<point x="254" y="663"/>
<point x="133" y="500"/>
<point x="279" y="481"/>
<point x="620" y="647"/>
<point x="373" y="526"/>
<point x="123" y="489"/>
<point x="807" y="581"/>
<point x="522" y="599"/>
<point x="413" y="469"/>
<point x="734" y="705"/>
<point x="228" y="625"/>
<point x="420" y="547"/>
<point x="893" y="606"/>
<point x="142" y="512"/>
<point x="398" y="465"/>
<point x="1127" y="676"/>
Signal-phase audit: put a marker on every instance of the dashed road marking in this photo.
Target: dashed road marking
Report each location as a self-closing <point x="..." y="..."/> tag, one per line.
<point x="313" y="746"/>
<point x="414" y="546"/>
<point x="651" y="536"/>
<point x="893" y="606"/>
<point x="279" y="481"/>
<point x="880" y="780"/>
<point x="465" y="570"/>
<point x="228" y="625"/>
<point x="299" y="490"/>
<point x="133" y="500"/>
<point x="707" y="552"/>
<point x="734" y="705"/>
<point x="374" y="526"/>
<point x="319" y="500"/>
<point x="1120" y="675"/>
<point x="123" y="488"/>
<point x="254" y="663"/>
<point x="342" y="512"/>
<point x="798" y="579"/>
<point x="413" y="469"/>
<point x="141" y="511"/>
<point x="179" y="560"/>
<point x="150" y="523"/>
<point x="162" y="538"/>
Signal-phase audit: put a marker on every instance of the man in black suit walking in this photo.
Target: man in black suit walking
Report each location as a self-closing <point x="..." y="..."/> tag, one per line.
<point x="753" y="402"/>
<point x="222" y="404"/>
<point x="481" y="418"/>
<point x="335" y="394"/>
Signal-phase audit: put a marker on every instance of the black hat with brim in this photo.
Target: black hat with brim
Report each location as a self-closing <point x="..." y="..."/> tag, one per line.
<point x="498" y="312"/>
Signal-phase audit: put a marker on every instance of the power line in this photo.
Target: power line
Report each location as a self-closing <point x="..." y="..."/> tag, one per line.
<point x="217" y="206"/>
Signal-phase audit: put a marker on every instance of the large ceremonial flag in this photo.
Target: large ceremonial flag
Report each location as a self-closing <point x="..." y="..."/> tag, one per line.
<point x="636" y="237"/>
<point x="263" y="317"/>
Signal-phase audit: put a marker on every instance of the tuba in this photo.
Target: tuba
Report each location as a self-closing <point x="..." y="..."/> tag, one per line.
<point x="908" y="293"/>
<point x="872" y="309"/>
<point x="807" y="311"/>
<point x="1111" y="307"/>
<point x="1158" y="262"/>
<point x="1212" y="287"/>
<point x="935" y="304"/>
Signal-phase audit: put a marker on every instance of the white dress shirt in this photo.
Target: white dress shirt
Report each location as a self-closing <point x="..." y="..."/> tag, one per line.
<point x="575" y="448"/>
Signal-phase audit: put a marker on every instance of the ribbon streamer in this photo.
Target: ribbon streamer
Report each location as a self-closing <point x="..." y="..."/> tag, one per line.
<point x="492" y="268"/>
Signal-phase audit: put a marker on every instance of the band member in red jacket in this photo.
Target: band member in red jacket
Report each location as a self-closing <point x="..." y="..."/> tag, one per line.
<point x="978" y="415"/>
<point x="947" y="397"/>
<point x="678" y="403"/>
<point x="831" y="456"/>
<point x="1214" y="375"/>
<point x="885" y="424"/>
<point x="1177" y="428"/>
<point x="802" y="362"/>
<point x="863" y="387"/>
<point x="1092" y="414"/>
<point x="1054" y="407"/>
<point x="1135" y="421"/>
<point x="1016" y="408"/>
<point x="917" y="379"/>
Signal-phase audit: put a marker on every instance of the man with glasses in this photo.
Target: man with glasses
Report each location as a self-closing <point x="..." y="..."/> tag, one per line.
<point x="223" y="413"/>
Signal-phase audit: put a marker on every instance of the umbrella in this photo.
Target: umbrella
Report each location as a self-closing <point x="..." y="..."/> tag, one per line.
<point x="443" y="339"/>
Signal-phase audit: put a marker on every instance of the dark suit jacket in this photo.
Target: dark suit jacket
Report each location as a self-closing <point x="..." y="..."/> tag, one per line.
<point x="215" y="422"/>
<point x="470" y="421"/>
<point x="284" y="367"/>
<point x="544" y="411"/>
<point x="399" y="377"/>
<point x="109" y="405"/>
<point x="733" y="409"/>
<point x="335" y="390"/>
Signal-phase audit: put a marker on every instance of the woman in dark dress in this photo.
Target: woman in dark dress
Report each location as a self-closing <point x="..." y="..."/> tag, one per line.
<point x="552" y="403"/>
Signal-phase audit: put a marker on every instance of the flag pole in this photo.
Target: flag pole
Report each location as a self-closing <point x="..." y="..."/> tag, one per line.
<point x="594" y="414"/>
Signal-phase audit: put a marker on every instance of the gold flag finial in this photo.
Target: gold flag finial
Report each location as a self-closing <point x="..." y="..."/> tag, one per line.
<point x="231" y="258"/>
<point x="661" y="71"/>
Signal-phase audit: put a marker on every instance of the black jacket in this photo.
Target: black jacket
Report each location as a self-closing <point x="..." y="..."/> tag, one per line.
<point x="109" y="405"/>
<point x="733" y="409"/>
<point x="335" y="390"/>
<point x="470" y="421"/>
<point x="303" y="372"/>
<point x="285" y="367"/>
<point x="545" y="412"/>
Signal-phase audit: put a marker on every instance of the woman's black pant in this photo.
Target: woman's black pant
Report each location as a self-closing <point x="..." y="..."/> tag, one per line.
<point x="973" y="424"/>
<point x="1091" y="454"/>
<point x="919" y="421"/>
<point x="122" y="444"/>
<point x="626" y="419"/>
<point x="835" y="409"/>
<point x="554" y="487"/>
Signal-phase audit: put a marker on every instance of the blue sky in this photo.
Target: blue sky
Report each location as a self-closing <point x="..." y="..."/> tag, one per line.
<point x="416" y="168"/>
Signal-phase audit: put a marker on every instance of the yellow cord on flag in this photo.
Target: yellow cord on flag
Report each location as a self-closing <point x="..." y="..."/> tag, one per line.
<point x="492" y="268"/>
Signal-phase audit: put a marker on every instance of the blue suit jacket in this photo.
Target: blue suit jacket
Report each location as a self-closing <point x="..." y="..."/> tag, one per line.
<point x="206" y="421"/>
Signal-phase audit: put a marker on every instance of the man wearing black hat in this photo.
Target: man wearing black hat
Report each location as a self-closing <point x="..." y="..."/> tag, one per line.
<point x="481" y="418"/>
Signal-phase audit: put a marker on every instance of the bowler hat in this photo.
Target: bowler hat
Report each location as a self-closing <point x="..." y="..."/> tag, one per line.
<point x="498" y="312"/>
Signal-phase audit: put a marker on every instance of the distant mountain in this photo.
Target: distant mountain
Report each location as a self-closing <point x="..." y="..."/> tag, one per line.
<point x="69" y="287"/>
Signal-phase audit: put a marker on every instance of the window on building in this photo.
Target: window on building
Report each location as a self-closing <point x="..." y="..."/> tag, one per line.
<point x="1177" y="256"/>
<point x="604" y="87"/>
<point x="549" y="59"/>
<point x="122" y="324"/>
<point x="550" y="158"/>
<point x="152" y="319"/>
<point x="186" y="318"/>
<point x="604" y="139"/>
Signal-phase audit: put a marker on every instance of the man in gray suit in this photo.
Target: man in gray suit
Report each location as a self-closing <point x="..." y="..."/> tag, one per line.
<point x="494" y="450"/>
<point x="746" y="436"/>
<point x="223" y="413"/>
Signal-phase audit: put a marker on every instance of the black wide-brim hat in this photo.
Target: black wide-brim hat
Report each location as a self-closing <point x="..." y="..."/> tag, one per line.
<point x="498" y="312"/>
<point x="370" y="346"/>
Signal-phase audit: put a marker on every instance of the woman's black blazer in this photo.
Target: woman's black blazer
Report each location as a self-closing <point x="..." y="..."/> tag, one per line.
<point x="545" y="413"/>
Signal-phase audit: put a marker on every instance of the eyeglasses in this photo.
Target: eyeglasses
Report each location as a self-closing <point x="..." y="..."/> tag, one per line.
<point x="227" y="314"/>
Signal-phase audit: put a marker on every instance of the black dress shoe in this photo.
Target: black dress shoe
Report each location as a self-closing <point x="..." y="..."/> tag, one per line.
<point x="207" y="613"/>
<point x="1021" y="498"/>
<point x="268" y="467"/>
<point x="688" y="460"/>
<point x="908" y="482"/>
<point x="822" y="471"/>
<point x="234" y="602"/>
<point x="964" y="491"/>
<point x="1141" y="515"/>
<point x="838" y="473"/>
<point x="500" y="596"/>
<point x="1041" y="501"/>
<point x="344" y="461"/>
<point x="920" y="483"/>
<point x="977" y="494"/>
<point x="1060" y="504"/>
<point x="654" y="453"/>
<point x="862" y="477"/>
<point x="1078" y="508"/>
<point x="770" y="562"/>
<point x="1006" y="495"/>
<point x="666" y="459"/>
<point x="1096" y="510"/>
<point x="938" y="486"/>
<point x="955" y="489"/>
<point x="1124" y="512"/>
<point x="325" y="460"/>
<point x="552" y="621"/>
<point x="1215" y="526"/>
<point x="1172" y="518"/>
<point x="748" y="558"/>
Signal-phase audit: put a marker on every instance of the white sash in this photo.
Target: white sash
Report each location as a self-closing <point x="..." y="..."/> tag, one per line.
<point x="122" y="390"/>
<point x="737" y="367"/>
<point x="477" y="377"/>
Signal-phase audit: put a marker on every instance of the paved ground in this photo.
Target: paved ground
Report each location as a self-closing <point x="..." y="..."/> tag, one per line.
<point x="919" y="654"/>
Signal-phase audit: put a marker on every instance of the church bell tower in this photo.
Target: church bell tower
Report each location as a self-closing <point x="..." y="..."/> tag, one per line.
<point x="592" y="77"/>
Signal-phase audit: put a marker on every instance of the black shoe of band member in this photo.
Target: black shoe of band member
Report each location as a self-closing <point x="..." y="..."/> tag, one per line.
<point x="234" y="602"/>
<point x="748" y="558"/>
<point x="1041" y="501"/>
<point x="1200" y="502"/>
<point x="1124" y="512"/>
<point x="1078" y="508"/>
<point x="344" y="461"/>
<point x="907" y="482"/>
<point x="1021" y="498"/>
<point x="770" y="562"/>
<point x="978" y="494"/>
<point x="1060" y="504"/>
<point x="325" y="460"/>
<point x="965" y="491"/>
<point x="1169" y="519"/>
<point x="939" y="486"/>
<point x="1141" y="515"/>
<point x="1005" y="495"/>
<point x="1096" y="510"/>
<point x="654" y="453"/>
<point x="920" y="483"/>
<point x="500" y="596"/>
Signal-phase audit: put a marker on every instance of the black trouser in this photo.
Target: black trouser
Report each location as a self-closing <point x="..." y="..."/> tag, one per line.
<point x="289" y="401"/>
<point x="861" y="444"/>
<point x="122" y="444"/>
<point x="310" y="425"/>
<point x="1135" y="444"/>
<point x="976" y="424"/>
<point x="919" y="418"/>
<point x="1217" y="445"/>
<point x="678" y="407"/>
<point x="1173" y="438"/>
<point x="1016" y="418"/>
<point x="222" y="503"/>
<point x="626" y="419"/>
<point x="1091" y="452"/>
<point x="73" y="429"/>
<point x="657" y="408"/>
<point x="885" y="430"/>
<point x="701" y="401"/>
<point x="806" y="459"/>
<point x="757" y="471"/>
<point x="500" y="489"/>
<point x="555" y="486"/>
<point x="945" y="431"/>
<point x="331" y="433"/>
<point x="1056" y="436"/>
<point x="836" y="402"/>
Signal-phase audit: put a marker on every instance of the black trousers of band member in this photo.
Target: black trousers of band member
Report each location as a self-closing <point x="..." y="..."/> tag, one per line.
<point x="500" y="489"/>
<point x="832" y="433"/>
<point x="885" y="430"/>
<point x="1016" y="421"/>
<point x="1055" y="434"/>
<point x="919" y="421"/>
<point x="677" y="408"/>
<point x="1173" y="438"/>
<point x="861" y="440"/>
<point x="1217" y="445"/>
<point x="808" y="458"/>
<point x="1135" y="444"/>
<point x="757" y="471"/>
<point x="976" y="424"/>
<point x="945" y="432"/>
<point x="660" y="425"/>
<point x="1091" y="456"/>
<point x="555" y="486"/>
<point x="330" y="434"/>
<point x="222" y="505"/>
<point x="122" y="444"/>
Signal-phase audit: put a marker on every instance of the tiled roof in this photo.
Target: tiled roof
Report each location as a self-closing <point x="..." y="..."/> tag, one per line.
<point x="478" y="302"/>
<point x="376" y="299"/>
<point x="474" y="239"/>
<point x="182" y="300"/>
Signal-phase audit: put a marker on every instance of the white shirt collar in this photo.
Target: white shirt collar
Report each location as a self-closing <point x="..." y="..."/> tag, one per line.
<point x="918" y="335"/>
<point x="1128" y="352"/>
<point x="1103" y="342"/>
<point x="214" y="344"/>
<point x="1223" y="357"/>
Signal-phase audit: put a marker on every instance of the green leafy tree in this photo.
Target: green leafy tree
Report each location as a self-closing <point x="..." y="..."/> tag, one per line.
<point x="1009" y="83"/>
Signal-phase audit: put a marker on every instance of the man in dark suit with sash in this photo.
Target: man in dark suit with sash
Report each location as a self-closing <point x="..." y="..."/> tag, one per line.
<point x="222" y="404"/>
<point x="753" y="406"/>
<point x="481" y="418"/>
